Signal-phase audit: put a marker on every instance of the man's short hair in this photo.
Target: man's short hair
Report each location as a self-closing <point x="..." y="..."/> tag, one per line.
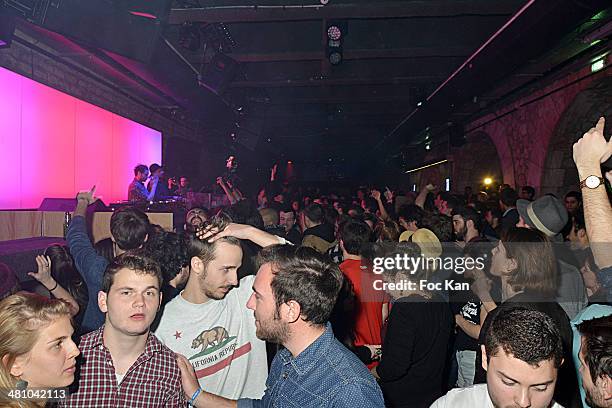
<point x="205" y="250"/>
<point x="508" y="197"/>
<point x="135" y="260"/>
<point x="452" y="201"/>
<point x="354" y="235"/>
<point x="530" y="191"/>
<point x="154" y="167"/>
<point x="169" y="250"/>
<point x="303" y="275"/>
<point x="468" y="213"/>
<point x="141" y="168"/>
<point x="439" y="224"/>
<point x="410" y="213"/>
<point x="314" y="212"/>
<point x="129" y="227"/>
<point x="270" y="216"/>
<point x="527" y="335"/>
<point x="597" y="346"/>
<point x="574" y="194"/>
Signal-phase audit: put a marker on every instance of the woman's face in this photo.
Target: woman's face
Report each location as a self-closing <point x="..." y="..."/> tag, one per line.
<point x="51" y="362"/>
<point x="500" y="263"/>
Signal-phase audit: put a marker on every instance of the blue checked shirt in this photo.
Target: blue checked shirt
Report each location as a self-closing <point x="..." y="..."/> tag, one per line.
<point x="326" y="374"/>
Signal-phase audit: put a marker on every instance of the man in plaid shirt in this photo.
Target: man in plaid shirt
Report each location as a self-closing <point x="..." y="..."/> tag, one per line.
<point x="124" y="365"/>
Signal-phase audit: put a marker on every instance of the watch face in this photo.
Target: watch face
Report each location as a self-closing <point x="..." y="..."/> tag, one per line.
<point x="592" y="182"/>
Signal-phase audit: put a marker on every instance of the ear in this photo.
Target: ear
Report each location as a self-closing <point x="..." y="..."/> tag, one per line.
<point x="18" y="366"/>
<point x="483" y="352"/>
<point x="145" y="240"/>
<point x="291" y="311"/>
<point x="102" y="297"/>
<point x="342" y="245"/>
<point x="197" y="265"/>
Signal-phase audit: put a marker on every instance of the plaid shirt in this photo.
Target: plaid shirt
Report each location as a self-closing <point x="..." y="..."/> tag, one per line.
<point x="154" y="380"/>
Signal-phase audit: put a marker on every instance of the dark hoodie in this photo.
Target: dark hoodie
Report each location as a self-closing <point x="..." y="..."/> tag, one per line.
<point x="320" y="237"/>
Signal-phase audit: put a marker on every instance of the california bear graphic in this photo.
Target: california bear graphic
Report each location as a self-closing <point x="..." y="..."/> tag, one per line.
<point x="210" y="338"/>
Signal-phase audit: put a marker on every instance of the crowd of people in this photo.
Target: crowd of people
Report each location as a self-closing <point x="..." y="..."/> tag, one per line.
<point x="306" y="298"/>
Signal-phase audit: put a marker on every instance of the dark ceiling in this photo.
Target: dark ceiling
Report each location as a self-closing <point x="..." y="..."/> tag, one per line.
<point x="409" y="68"/>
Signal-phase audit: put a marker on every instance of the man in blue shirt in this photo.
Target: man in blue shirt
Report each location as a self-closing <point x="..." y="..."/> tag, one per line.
<point x="293" y="296"/>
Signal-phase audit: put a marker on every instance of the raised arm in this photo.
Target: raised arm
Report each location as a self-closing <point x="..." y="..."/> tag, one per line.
<point x="589" y="152"/>
<point x="44" y="277"/>
<point x="81" y="249"/>
<point x="381" y="207"/>
<point x="228" y="193"/>
<point x="241" y="231"/>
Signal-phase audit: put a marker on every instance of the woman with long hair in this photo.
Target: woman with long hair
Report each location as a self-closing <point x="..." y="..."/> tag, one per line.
<point x="36" y="349"/>
<point x="56" y="272"/>
<point x="524" y="261"/>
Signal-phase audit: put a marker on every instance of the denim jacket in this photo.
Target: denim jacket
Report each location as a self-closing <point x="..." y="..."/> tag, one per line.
<point x="91" y="266"/>
<point x="326" y="374"/>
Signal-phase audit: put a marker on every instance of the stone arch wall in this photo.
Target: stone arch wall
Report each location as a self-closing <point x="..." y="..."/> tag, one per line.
<point x="474" y="161"/>
<point x="523" y="129"/>
<point x="559" y="174"/>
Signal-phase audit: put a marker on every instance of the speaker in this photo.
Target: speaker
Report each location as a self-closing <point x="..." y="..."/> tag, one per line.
<point x="218" y="73"/>
<point x="128" y="28"/>
<point x="7" y="28"/>
<point x="66" y="205"/>
<point x="456" y="135"/>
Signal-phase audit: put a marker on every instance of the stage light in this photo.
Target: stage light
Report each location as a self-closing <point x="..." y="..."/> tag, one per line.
<point x="334" y="32"/>
<point x="488" y="181"/>
<point x="289" y="162"/>
<point x="598" y="65"/>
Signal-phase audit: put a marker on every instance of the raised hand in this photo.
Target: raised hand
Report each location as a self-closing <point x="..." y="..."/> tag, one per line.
<point x="592" y="148"/>
<point x="44" y="272"/>
<point x="88" y="196"/>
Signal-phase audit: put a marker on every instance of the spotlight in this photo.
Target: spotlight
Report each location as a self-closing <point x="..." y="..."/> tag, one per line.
<point x="334" y="33"/>
<point x="487" y="181"/>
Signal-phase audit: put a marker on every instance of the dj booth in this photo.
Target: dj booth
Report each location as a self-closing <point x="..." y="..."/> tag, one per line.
<point x="26" y="233"/>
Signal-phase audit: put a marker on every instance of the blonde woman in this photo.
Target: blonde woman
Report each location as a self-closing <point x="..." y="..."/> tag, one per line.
<point x="36" y="349"/>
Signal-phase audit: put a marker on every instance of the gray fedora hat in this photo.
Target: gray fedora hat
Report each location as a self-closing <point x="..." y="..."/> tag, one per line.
<point x="546" y="214"/>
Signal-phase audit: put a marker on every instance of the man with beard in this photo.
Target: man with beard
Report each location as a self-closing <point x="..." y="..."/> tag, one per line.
<point x="596" y="361"/>
<point x="208" y="321"/>
<point x="467" y="225"/>
<point x="522" y="354"/>
<point x="195" y="218"/>
<point x="293" y="295"/>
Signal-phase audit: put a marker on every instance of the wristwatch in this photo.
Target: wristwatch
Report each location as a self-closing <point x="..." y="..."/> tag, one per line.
<point x="592" y="182"/>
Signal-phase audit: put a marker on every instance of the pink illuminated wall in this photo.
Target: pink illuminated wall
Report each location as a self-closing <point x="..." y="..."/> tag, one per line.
<point x="53" y="145"/>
